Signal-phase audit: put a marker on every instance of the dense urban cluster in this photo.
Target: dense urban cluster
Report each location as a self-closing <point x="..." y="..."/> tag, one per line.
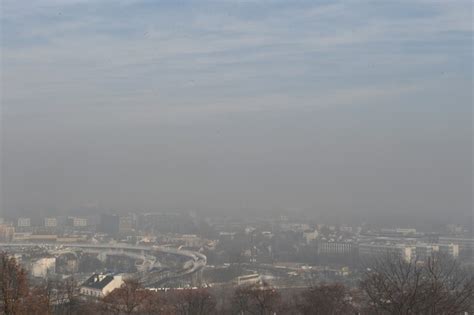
<point x="182" y="263"/>
<point x="391" y="286"/>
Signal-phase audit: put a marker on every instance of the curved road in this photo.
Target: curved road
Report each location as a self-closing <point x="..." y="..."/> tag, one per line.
<point x="197" y="260"/>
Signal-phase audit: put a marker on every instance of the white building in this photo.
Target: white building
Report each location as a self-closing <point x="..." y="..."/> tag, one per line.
<point x="43" y="267"/>
<point x="50" y="222"/>
<point x="424" y="251"/>
<point x="334" y="248"/>
<point x="99" y="285"/>
<point x="24" y="222"/>
<point x="79" y="222"/>
<point x="249" y="279"/>
<point x="407" y="252"/>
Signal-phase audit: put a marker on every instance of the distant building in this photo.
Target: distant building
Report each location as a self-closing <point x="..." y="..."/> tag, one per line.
<point x="407" y="252"/>
<point x="192" y="240"/>
<point x="29" y="237"/>
<point x="67" y="263"/>
<point x="465" y="244"/>
<point x="347" y="229"/>
<point x="334" y="248"/>
<point x="43" y="267"/>
<point x="455" y="229"/>
<point x="406" y="231"/>
<point x="24" y="222"/>
<point x="400" y="232"/>
<point x="300" y="227"/>
<point x="6" y="232"/>
<point x="99" y="285"/>
<point x="77" y="222"/>
<point x="310" y="236"/>
<point x="249" y="279"/>
<point x="425" y="251"/>
<point x="126" y="223"/>
<point x="226" y="236"/>
<point x="50" y="222"/>
<point x="169" y="222"/>
<point x="451" y="250"/>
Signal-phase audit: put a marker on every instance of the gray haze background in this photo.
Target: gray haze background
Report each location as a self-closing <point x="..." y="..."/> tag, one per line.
<point x="350" y="109"/>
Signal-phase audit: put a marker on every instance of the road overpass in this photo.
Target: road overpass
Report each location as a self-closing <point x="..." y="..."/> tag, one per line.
<point x="192" y="267"/>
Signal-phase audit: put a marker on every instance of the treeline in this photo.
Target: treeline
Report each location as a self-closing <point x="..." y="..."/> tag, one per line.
<point x="388" y="286"/>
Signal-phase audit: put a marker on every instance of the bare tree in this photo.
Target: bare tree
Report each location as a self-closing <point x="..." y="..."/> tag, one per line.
<point x="127" y="299"/>
<point x="258" y="300"/>
<point x="61" y="297"/>
<point x="440" y="285"/>
<point x="17" y="297"/>
<point x="13" y="286"/>
<point x="448" y="288"/>
<point x="70" y="296"/>
<point x="326" y="299"/>
<point x="39" y="301"/>
<point x="193" y="302"/>
<point x="156" y="304"/>
<point x="223" y="295"/>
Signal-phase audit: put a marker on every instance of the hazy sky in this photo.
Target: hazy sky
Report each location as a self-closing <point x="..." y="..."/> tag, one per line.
<point x="347" y="107"/>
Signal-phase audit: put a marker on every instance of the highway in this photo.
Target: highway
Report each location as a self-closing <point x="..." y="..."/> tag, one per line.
<point x="195" y="263"/>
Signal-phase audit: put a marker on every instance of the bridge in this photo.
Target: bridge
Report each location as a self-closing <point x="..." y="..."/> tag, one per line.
<point x="192" y="268"/>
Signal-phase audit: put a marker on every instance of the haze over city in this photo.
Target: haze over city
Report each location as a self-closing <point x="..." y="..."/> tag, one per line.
<point x="340" y="108"/>
<point x="169" y="157"/>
